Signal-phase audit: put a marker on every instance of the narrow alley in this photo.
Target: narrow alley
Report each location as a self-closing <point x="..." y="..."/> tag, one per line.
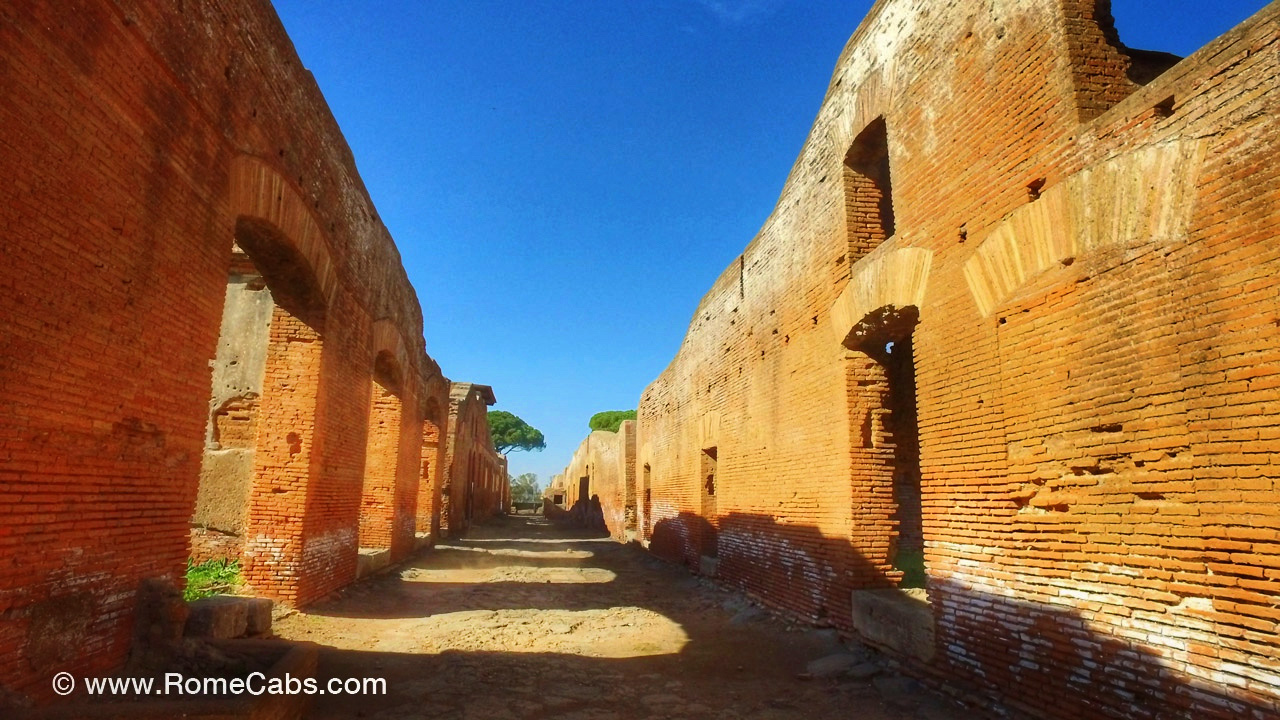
<point x="523" y="620"/>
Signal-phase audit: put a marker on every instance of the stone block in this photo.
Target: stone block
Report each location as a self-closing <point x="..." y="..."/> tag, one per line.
<point x="220" y="617"/>
<point x="708" y="565"/>
<point x="896" y="621"/>
<point x="258" y="611"/>
<point x="371" y="561"/>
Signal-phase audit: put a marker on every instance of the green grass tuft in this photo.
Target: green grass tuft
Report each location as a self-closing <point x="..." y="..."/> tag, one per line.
<point x="212" y="577"/>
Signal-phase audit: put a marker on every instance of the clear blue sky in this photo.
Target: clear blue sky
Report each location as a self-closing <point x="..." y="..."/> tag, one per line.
<point x="565" y="179"/>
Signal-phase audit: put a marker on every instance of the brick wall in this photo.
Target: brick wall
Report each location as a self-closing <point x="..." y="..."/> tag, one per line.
<point x="431" y="460"/>
<point x="1088" y="263"/>
<point x="378" y="501"/>
<point x="476" y="487"/>
<point x="599" y="484"/>
<point x="141" y="141"/>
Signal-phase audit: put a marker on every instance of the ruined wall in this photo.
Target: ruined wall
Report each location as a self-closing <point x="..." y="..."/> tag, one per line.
<point x="1080" y="271"/>
<point x="599" y="484"/>
<point x="477" y="487"/>
<point x="432" y="462"/>
<point x="555" y="493"/>
<point x="141" y="140"/>
<point x="226" y="469"/>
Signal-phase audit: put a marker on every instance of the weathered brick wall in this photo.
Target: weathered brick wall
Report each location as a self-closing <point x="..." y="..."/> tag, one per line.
<point x="427" y="525"/>
<point x="555" y="489"/>
<point x="141" y="140"/>
<point x="378" y="501"/>
<point x="1092" y="263"/>
<point x="226" y="469"/>
<point x="605" y="464"/>
<point x="476" y="484"/>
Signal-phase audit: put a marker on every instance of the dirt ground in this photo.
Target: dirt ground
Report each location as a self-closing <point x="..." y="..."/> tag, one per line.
<point x="522" y="620"/>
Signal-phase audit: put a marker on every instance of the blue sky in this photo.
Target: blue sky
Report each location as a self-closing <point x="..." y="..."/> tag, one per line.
<point x="565" y="179"/>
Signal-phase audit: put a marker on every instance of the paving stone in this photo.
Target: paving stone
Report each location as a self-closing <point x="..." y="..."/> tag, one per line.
<point x="864" y="671"/>
<point x="831" y="665"/>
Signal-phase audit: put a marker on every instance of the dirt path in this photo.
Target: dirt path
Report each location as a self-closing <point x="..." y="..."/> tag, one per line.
<point x="520" y="620"/>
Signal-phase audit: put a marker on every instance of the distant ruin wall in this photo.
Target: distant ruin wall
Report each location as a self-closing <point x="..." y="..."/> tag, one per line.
<point x="476" y="473"/>
<point x="600" y="484"/>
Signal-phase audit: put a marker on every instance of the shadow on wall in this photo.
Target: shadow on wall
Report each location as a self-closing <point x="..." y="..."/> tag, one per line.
<point x="1050" y="658"/>
<point x="1046" y="659"/>
<point x="584" y="515"/>
<point x="682" y="539"/>
<point x="790" y="566"/>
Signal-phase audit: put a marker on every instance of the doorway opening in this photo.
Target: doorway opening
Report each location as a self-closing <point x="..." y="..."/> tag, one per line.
<point x="258" y="464"/>
<point x="709" y="545"/>
<point x="382" y="454"/>
<point x="428" y="483"/>
<point x="647" y="489"/>
<point x="868" y="191"/>
<point x="892" y="434"/>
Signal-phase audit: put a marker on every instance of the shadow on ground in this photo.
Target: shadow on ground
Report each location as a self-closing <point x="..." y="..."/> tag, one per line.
<point x="522" y="619"/>
<point x="525" y="620"/>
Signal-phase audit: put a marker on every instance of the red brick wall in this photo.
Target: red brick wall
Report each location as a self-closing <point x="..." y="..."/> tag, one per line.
<point x="329" y="512"/>
<point x="284" y="457"/>
<point x="1092" y="267"/>
<point x="405" y="491"/>
<point x="432" y="458"/>
<point x="140" y="140"/>
<point x="378" y="502"/>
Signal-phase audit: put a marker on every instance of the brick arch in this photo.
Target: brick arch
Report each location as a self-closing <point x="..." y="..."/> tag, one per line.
<point x="393" y="446"/>
<point x="435" y="420"/>
<point x="896" y="278"/>
<point x="434" y="388"/>
<point x="284" y="245"/>
<point x="433" y="410"/>
<point x="260" y="192"/>
<point x="1136" y="198"/>
<point x="870" y="100"/>
<point x="864" y="86"/>
<point x="385" y="337"/>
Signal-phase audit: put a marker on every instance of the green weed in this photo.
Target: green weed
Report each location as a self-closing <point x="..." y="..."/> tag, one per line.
<point x="212" y="577"/>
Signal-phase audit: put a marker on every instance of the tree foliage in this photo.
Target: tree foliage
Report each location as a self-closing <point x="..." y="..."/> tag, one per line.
<point x="511" y="433"/>
<point x="525" y="488"/>
<point x="610" y="420"/>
